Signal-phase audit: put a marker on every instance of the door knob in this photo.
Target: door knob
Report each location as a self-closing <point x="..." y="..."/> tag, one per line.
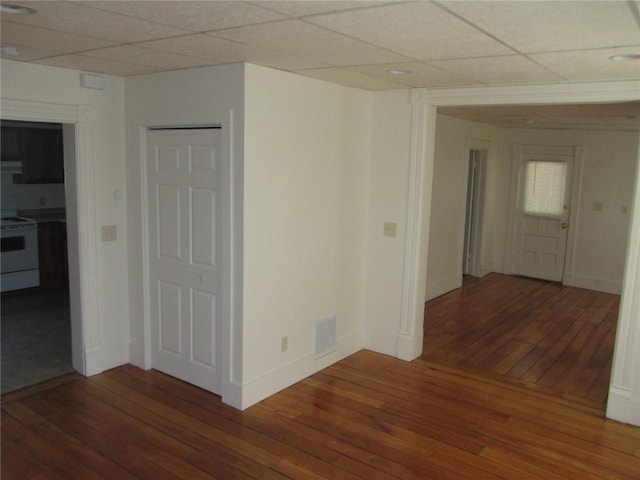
<point x="564" y="225"/>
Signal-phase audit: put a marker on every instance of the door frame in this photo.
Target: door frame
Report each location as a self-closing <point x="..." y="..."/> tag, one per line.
<point x="231" y="322"/>
<point x="625" y="384"/>
<point x="473" y="231"/>
<point x="577" y="152"/>
<point x="86" y="345"/>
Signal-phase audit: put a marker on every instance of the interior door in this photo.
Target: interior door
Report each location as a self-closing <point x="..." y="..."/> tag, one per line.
<point x="542" y="215"/>
<point x="184" y="201"/>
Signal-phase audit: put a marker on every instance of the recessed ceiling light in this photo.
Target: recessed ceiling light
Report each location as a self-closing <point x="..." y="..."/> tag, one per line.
<point x="399" y="71"/>
<point x="626" y="58"/>
<point x="15" y="9"/>
<point x="8" y="50"/>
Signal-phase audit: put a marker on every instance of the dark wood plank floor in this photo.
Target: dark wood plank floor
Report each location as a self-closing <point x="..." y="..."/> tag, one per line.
<point x="538" y="333"/>
<point x="369" y="416"/>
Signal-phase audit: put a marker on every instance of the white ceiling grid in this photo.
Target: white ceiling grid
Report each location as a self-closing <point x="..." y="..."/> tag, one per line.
<point x="444" y="43"/>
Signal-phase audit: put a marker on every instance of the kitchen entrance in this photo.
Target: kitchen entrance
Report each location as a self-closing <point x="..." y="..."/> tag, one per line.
<point x="36" y="324"/>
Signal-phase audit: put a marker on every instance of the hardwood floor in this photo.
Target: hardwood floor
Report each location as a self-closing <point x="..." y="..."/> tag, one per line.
<point x="369" y="416"/>
<point x="538" y="333"/>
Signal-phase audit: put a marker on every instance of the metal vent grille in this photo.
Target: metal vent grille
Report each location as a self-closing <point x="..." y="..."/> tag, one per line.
<point x="325" y="336"/>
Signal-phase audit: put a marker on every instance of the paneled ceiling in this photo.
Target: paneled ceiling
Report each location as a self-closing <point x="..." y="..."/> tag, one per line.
<point x="355" y="43"/>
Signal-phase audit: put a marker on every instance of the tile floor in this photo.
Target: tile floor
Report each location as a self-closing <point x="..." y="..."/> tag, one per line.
<point x="36" y="338"/>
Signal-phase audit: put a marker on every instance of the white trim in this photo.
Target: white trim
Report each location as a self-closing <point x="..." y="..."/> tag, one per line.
<point x="418" y="207"/>
<point x="591" y="283"/>
<point x="261" y="387"/>
<point x="577" y="92"/>
<point x="87" y="340"/>
<point x="574" y="215"/>
<point x="38" y="111"/>
<point x="619" y="404"/>
<point x="87" y="230"/>
<point x="92" y="357"/>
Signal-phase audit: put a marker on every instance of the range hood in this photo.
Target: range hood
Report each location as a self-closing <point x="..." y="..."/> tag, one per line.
<point x="10" y="167"/>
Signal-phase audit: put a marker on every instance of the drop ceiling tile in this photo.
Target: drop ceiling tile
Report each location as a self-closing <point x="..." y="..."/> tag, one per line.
<point x="499" y="70"/>
<point x="82" y="20"/>
<point x="420" y="30"/>
<point x="538" y="26"/>
<point x="146" y="57"/>
<point x="298" y="8"/>
<point x="590" y="64"/>
<point x="421" y="75"/>
<point x="220" y="50"/>
<point x="98" y="65"/>
<point x="350" y="78"/>
<point x="195" y="16"/>
<point x="55" y="41"/>
<point x="315" y="43"/>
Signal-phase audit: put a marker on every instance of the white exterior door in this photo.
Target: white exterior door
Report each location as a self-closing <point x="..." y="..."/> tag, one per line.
<point x="185" y="205"/>
<point x="542" y="213"/>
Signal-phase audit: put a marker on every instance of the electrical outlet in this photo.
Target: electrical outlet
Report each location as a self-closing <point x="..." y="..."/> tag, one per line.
<point x="390" y="229"/>
<point x="284" y="344"/>
<point x="109" y="233"/>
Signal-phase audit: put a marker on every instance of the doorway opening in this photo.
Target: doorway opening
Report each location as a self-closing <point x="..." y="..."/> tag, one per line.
<point x="36" y="315"/>
<point x="534" y="332"/>
<point x="471" y="256"/>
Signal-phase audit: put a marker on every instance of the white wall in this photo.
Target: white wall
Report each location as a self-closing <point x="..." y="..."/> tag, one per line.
<point x="389" y="178"/>
<point x="106" y="337"/>
<point x="305" y="223"/>
<point x="454" y="139"/>
<point x="597" y="259"/>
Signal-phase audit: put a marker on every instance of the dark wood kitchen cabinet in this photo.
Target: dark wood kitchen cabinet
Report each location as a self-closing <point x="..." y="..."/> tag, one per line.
<point x="52" y="253"/>
<point x="40" y="151"/>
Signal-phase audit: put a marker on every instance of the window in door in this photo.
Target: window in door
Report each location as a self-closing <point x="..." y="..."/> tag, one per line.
<point x="544" y="185"/>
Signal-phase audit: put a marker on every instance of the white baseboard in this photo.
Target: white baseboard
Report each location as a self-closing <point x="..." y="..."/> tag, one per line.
<point x="487" y="268"/>
<point x="619" y="404"/>
<point x="571" y="279"/>
<point x="280" y="378"/>
<point x="443" y="286"/>
<point x="93" y="360"/>
<point x="405" y="347"/>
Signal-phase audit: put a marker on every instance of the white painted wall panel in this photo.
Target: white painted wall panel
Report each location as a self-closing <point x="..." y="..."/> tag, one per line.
<point x="306" y="180"/>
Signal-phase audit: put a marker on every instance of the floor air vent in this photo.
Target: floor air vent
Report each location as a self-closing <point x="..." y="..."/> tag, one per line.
<point x="325" y="336"/>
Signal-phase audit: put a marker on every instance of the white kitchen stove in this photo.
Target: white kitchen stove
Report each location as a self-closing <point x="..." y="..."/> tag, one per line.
<point x="19" y="265"/>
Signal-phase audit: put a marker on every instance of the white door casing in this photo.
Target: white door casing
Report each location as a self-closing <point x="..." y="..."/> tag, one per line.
<point x="185" y="208"/>
<point x="540" y="231"/>
<point x="476" y="186"/>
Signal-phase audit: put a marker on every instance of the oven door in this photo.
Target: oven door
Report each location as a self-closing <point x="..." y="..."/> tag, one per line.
<point x="19" y="246"/>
